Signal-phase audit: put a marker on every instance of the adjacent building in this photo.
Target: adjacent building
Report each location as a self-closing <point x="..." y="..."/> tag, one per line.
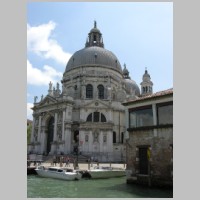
<point x="149" y="136"/>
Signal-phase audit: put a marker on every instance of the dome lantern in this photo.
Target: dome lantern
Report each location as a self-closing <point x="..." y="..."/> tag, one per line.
<point x="94" y="37"/>
<point x="126" y="72"/>
<point x="94" y="54"/>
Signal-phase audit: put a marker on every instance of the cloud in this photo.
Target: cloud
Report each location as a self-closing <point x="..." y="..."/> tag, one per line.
<point x="40" y="42"/>
<point x="29" y="111"/>
<point x="39" y="77"/>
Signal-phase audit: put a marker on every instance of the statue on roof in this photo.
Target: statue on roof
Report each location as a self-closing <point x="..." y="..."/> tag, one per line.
<point x="57" y="86"/>
<point x="35" y="99"/>
<point x="50" y="85"/>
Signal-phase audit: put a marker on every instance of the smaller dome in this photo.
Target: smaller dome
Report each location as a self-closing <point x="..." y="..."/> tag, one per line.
<point x="131" y="87"/>
<point x="146" y="74"/>
<point x="95" y="30"/>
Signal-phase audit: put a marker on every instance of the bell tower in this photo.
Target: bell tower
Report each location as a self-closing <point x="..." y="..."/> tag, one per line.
<point x="94" y="37"/>
<point x="146" y="84"/>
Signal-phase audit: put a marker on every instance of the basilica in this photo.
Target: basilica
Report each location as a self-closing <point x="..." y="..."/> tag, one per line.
<point x="84" y="114"/>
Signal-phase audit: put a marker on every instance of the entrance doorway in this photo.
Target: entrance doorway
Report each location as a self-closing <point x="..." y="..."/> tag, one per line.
<point x="50" y="134"/>
<point x="143" y="160"/>
<point x="76" y="141"/>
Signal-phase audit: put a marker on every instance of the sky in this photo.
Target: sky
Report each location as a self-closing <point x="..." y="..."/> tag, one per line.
<point x="140" y="34"/>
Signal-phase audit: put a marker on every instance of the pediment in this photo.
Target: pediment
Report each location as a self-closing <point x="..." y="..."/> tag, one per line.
<point x="47" y="100"/>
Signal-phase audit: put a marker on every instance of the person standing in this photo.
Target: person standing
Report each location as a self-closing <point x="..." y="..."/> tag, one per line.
<point x="68" y="161"/>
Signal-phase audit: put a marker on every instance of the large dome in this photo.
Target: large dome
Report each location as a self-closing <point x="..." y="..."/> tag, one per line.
<point x="94" y="56"/>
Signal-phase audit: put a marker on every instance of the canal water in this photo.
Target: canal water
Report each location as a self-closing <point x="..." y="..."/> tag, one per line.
<point x="38" y="187"/>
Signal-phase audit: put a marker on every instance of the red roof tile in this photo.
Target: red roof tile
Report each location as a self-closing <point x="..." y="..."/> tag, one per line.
<point x="154" y="95"/>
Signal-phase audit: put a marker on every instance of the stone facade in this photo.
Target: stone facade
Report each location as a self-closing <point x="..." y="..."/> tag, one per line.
<point x="150" y="146"/>
<point x="86" y="114"/>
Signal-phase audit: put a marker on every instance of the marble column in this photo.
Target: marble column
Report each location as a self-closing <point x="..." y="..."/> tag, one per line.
<point x="63" y="126"/>
<point x="55" y="127"/>
<point x="42" y="140"/>
<point x="67" y="139"/>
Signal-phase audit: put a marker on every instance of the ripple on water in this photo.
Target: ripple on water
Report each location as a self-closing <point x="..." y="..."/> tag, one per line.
<point x="38" y="187"/>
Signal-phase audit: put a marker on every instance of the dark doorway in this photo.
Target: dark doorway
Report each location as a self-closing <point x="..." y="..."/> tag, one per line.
<point x="76" y="136"/>
<point x="114" y="137"/>
<point x="50" y="134"/>
<point x="76" y="141"/>
<point x="143" y="160"/>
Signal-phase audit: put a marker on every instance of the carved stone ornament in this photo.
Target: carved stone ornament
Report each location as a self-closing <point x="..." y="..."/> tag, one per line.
<point x="96" y="136"/>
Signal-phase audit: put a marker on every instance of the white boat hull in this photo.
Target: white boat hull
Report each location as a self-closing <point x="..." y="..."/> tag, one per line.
<point x="106" y="173"/>
<point x="59" y="175"/>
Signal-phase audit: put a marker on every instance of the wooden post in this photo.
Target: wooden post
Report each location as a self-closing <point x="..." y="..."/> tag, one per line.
<point x="88" y="164"/>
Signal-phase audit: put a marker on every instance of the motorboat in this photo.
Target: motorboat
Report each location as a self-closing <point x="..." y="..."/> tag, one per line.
<point x="104" y="172"/>
<point x="58" y="173"/>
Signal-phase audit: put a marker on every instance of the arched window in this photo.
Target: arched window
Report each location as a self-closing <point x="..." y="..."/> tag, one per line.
<point x="89" y="118"/>
<point x="95" y="38"/>
<point x="89" y="91"/>
<point x="114" y="137"/>
<point x="100" y="91"/>
<point x="103" y="118"/>
<point x="96" y="117"/>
